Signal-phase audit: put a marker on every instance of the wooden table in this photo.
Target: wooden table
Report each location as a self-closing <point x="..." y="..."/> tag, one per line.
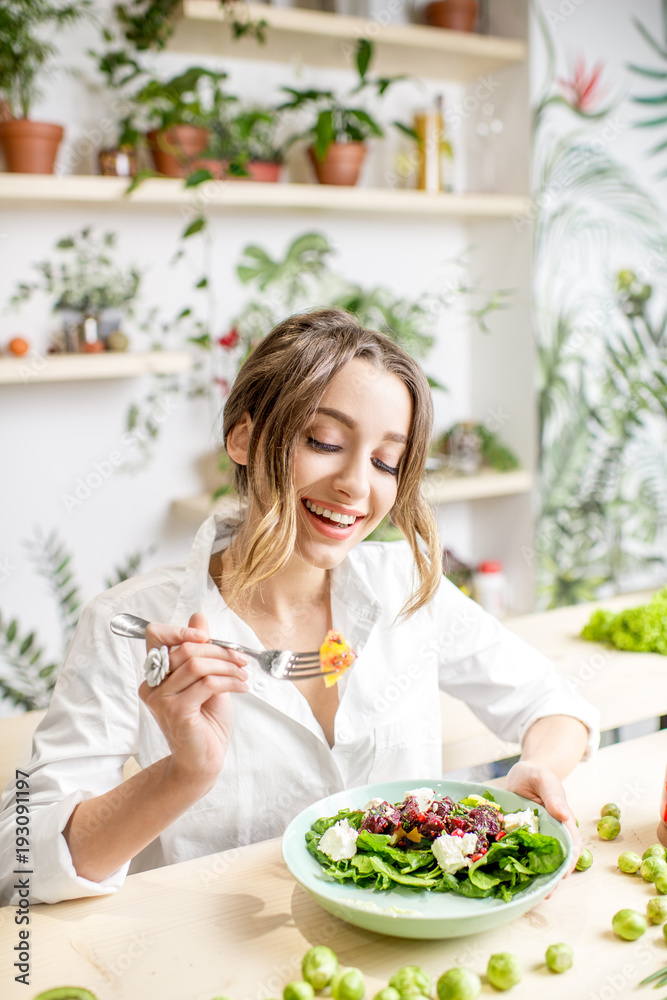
<point x="236" y="924"/>
<point x="626" y="687"/>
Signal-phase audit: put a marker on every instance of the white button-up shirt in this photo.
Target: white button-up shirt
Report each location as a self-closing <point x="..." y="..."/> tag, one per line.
<point x="387" y="726"/>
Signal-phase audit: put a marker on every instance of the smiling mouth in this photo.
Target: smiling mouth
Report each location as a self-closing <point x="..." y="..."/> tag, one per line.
<point x="332" y="517"/>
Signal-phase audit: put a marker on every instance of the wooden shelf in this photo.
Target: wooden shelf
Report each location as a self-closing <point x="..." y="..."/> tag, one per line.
<point x="88" y="367"/>
<point x="29" y="190"/>
<point x="322" y="39"/>
<point x="438" y="489"/>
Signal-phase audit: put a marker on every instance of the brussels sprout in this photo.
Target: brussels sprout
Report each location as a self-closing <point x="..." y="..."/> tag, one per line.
<point x="459" y="984"/>
<point x="388" y="993"/>
<point x="66" y="993"/>
<point x="503" y="970"/>
<point x="652" y="868"/>
<point x="411" y="981"/>
<point x="318" y="966"/>
<point x="629" y="924"/>
<point x="661" y="885"/>
<point x="664" y="932"/>
<point x="608" y="828"/>
<point x="610" y="809"/>
<point x="629" y="862"/>
<point x="298" y="990"/>
<point x="348" y="984"/>
<point x="656" y="851"/>
<point x="585" y="860"/>
<point x="559" y="957"/>
<point x="656" y="910"/>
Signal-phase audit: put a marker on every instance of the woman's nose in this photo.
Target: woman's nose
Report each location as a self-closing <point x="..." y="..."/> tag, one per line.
<point x="352" y="478"/>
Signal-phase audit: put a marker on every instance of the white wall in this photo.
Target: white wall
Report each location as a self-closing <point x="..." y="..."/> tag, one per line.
<point x="53" y="435"/>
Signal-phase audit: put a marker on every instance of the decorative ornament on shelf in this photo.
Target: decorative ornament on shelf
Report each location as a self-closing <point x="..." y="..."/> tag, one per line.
<point x="88" y="289"/>
<point x="467" y="446"/>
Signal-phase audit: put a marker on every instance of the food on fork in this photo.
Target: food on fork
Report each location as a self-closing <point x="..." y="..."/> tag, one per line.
<point x="336" y="656"/>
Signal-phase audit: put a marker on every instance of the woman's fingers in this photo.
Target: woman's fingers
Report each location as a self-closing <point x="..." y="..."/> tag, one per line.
<point x="192" y="695"/>
<point x="189" y="650"/>
<point x="159" y="634"/>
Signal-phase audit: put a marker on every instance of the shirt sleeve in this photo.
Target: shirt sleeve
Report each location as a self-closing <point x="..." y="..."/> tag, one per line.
<point x="508" y="684"/>
<point x="90" y="729"/>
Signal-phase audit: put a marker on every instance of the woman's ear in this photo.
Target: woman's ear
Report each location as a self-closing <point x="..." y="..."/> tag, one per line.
<point x="238" y="440"/>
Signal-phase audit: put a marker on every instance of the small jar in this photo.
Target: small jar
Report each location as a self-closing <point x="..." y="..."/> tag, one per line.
<point x="490" y="588"/>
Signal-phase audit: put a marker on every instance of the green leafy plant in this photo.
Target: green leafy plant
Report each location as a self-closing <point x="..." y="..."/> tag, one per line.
<point x="248" y="135"/>
<point x="603" y="503"/>
<point x="339" y="119"/>
<point x="149" y="24"/>
<point x="85" y="277"/>
<point x="27" y="674"/>
<point x="654" y="103"/>
<point x="193" y="97"/>
<point x="25" y="49"/>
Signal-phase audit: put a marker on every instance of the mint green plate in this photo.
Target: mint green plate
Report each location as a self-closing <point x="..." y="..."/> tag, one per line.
<point x="400" y="912"/>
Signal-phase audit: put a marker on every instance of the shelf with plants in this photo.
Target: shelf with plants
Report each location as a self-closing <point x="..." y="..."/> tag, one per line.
<point x="29" y="190"/>
<point x="324" y="39"/>
<point x="439" y="488"/>
<point x="88" y="367"/>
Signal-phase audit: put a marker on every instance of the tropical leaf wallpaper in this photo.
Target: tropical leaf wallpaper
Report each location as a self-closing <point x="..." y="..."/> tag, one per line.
<point x="600" y="318"/>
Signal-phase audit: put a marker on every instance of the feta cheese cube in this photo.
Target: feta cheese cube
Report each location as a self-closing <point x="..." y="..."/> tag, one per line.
<point x="425" y="797"/>
<point x="524" y="817"/>
<point x="339" y="841"/>
<point x="453" y="853"/>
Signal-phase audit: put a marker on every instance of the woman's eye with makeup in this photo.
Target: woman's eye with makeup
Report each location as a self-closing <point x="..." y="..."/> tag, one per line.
<point x="321" y="445"/>
<point x="392" y="470"/>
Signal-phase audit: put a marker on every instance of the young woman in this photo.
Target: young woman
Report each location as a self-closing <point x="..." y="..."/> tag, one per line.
<point x="328" y="425"/>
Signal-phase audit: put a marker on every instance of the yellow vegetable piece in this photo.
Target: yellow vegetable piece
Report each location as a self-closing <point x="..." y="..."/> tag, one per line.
<point x="336" y="656"/>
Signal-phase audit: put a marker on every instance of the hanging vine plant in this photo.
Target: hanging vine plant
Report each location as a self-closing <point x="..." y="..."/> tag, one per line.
<point x="149" y="24"/>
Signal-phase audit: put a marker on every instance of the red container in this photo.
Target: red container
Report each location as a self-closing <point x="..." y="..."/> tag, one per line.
<point x="662" y="826"/>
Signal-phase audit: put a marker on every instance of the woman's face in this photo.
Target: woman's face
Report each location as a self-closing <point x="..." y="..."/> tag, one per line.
<point x="346" y="462"/>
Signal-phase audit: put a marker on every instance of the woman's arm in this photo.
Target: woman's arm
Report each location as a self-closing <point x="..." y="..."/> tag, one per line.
<point x="192" y="707"/>
<point x="551" y="748"/>
<point x="105" y="832"/>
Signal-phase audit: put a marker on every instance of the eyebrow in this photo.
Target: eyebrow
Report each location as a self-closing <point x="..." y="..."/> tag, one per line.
<point x="343" y="418"/>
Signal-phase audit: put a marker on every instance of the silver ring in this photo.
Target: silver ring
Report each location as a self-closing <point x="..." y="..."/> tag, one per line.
<point x="156" y="666"/>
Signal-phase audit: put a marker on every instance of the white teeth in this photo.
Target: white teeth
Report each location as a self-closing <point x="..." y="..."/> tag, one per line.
<point x="332" y="515"/>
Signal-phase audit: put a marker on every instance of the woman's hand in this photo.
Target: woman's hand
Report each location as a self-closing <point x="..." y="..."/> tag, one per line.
<point x="543" y="786"/>
<point x="192" y="705"/>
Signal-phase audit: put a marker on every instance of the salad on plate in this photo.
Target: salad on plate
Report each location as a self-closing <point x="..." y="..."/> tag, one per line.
<point x="470" y="847"/>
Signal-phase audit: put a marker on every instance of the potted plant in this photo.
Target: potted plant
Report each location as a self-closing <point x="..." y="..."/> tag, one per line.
<point x="246" y="144"/>
<point x="337" y="137"/>
<point x="86" y="285"/>
<point x="181" y="112"/>
<point x="30" y="146"/>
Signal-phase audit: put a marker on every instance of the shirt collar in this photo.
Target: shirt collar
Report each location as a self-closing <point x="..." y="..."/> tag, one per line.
<point x="349" y="590"/>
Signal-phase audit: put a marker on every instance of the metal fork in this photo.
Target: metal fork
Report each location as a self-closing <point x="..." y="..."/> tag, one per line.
<point x="280" y="663"/>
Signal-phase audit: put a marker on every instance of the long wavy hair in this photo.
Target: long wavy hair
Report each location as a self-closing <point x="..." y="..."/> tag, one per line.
<point x="281" y="385"/>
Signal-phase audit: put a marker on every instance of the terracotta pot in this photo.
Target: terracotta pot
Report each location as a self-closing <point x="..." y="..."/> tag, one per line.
<point x="459" y="15"/>
<point x="176" y="147"/>
<point x="341" y="165"/>
<point x="30" y="147"/>
<point x="263" y="171"/>
<point x="218" y="168"/>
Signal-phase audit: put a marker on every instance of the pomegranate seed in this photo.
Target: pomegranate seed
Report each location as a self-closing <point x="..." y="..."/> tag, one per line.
<point x="476" y="857"/>
<point x="457" y="833"/>
<point x="503" y="833"/>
